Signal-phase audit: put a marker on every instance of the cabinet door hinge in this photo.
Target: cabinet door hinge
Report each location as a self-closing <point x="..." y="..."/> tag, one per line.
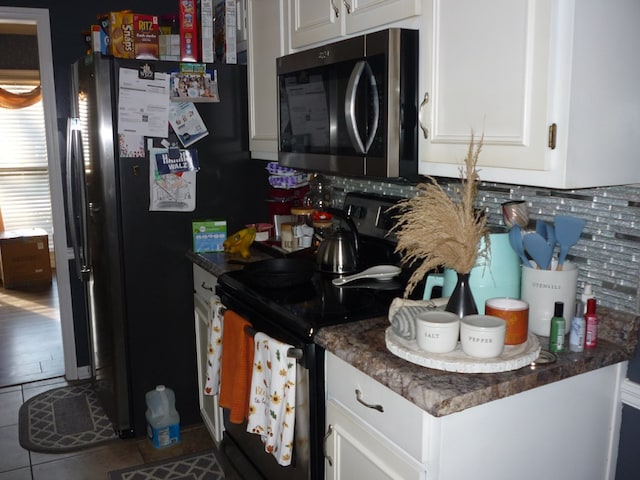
<point x="553" y="131"/>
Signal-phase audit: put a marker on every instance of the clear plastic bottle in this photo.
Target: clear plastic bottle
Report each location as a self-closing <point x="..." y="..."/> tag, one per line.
<point x="163" y="420"/>
<point x="578" y="329"/>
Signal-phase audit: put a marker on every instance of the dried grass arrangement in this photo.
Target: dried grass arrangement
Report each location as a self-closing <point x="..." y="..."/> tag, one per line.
<point x="436" y="230"/>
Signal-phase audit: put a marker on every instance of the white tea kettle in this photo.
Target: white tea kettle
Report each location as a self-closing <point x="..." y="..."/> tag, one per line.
<point x="500" y="277"/>
<point x="338" y="253"/>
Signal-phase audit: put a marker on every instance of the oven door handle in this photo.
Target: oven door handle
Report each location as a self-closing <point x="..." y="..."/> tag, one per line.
<point x="350" y="106"/>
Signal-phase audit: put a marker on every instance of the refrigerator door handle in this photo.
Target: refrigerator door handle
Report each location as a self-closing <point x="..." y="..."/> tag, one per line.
<point x="76" y="207"/>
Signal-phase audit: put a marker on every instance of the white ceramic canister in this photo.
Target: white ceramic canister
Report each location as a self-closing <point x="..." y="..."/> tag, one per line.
<point x="542" y="288"/>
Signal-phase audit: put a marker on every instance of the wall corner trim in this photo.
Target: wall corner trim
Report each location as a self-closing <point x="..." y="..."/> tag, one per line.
<point x="630" y="393"/>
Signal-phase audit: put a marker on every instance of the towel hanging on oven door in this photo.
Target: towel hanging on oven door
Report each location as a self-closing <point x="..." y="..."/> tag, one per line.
<point x="236" y="364"/>
<point x="272" y="397"/>
<point x="214" y="345"/>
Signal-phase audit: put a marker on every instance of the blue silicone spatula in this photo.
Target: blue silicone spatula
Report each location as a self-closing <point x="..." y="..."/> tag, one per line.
<point x="568" y="230"/>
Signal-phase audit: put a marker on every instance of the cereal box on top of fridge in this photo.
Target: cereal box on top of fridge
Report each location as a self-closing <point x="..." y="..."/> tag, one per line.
<point x="188" y="31"/>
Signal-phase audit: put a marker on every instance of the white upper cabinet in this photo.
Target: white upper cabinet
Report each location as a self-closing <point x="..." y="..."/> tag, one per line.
<point x="265" y="44"/>
<point x="551" y="84"/>
<point x="316" y="21"/>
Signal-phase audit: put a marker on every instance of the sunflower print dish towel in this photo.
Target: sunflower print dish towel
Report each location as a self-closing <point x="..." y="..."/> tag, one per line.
<point x="272" y="397"/>
<point x="214" y="346"/>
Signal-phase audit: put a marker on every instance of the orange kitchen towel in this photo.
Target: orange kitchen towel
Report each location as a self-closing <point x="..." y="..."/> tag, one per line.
<point x="236" y="366"/>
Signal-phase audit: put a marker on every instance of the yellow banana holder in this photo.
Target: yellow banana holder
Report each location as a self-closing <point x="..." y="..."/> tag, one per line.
<point x="240" y="242"/>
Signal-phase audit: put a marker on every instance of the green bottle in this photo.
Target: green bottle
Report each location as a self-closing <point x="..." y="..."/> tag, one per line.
<point x="556" y="336"/>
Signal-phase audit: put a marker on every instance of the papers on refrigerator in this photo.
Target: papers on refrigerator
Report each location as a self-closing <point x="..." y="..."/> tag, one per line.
<point x="187" y="123"/>
<point x="143" y="104"/>
<point x="172" y="182"/>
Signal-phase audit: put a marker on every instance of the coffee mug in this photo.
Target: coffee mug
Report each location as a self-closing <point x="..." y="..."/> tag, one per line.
<point x="542" y="288"/>
<point x="513" y="311"/>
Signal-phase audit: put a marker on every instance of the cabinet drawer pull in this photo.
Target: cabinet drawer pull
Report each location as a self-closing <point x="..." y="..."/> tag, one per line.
<point x="335" y="9"/>
<point x="347" y="6"/>
<point x="324" y="445"/>
<point x="423" y="104"/>
<point x="205" y="287"/>
<point x="377" y="407"/>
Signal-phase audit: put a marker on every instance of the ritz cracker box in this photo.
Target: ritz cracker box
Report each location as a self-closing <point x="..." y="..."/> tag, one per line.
<point x="209" y="235"/>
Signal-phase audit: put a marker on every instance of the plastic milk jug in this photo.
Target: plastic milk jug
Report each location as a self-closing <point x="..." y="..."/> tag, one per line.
<point x="163" y="420"/>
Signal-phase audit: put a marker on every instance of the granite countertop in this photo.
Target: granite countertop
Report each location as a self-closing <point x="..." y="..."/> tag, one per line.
<point x="440" y="393"/>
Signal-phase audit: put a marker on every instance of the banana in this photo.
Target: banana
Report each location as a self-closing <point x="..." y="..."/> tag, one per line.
<point x="240" y="242"/>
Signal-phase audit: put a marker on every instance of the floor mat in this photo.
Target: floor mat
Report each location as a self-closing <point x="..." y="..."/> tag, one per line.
<point x="198" y="466"/>
<point x="64" y="420"/>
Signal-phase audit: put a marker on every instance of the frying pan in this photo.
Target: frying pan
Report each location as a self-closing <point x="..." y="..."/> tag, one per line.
<point x="279" y="272"/>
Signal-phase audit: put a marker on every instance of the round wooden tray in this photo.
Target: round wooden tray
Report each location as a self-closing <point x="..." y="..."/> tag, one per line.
<point x="512" y="357"/>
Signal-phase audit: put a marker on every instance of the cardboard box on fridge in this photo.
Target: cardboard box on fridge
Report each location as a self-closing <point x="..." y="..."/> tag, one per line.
<point x="146" y="30"/>
<point x="121" y="34"/>
<point x="224" y="31"/>
<point x="209" y="235"/>
<point x="188" y="18"/>
<point x="24" y="258"/>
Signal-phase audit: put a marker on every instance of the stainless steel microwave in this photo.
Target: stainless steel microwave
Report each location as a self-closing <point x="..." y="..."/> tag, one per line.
<point x="351" y="108"/>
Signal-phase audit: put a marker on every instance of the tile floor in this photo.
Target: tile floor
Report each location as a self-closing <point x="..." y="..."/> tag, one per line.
<point x="16" y="463"/>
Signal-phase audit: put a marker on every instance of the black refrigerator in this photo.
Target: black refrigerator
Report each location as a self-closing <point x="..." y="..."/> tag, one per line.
<point x="131" y="260"/>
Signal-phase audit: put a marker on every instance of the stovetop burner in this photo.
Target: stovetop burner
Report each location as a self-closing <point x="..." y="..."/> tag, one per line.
<point x="304" y="309"/>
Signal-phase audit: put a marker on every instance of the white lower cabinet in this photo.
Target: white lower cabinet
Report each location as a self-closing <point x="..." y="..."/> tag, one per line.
<point x="355" y="450"/>
<point x="566" y="429"/>
<point x="204" y="288"/>
<point x="372" y="432"/>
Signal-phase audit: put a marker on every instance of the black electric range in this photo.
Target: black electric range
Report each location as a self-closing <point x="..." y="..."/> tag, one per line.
<point x="302" y="310"/>
<point x="294" y="315"/>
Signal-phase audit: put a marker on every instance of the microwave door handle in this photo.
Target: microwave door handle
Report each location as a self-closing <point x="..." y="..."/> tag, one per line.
<point x="376" y="107"/>
<point x="350" y="106"/>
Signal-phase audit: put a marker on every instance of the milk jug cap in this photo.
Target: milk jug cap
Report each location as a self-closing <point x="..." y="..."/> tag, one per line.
<point x="160" y="388"/>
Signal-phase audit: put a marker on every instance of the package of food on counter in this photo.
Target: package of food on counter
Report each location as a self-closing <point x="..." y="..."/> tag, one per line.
<point x="209" y="235"/>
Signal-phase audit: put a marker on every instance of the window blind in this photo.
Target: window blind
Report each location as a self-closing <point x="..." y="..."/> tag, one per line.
<point x="25" y="198"/>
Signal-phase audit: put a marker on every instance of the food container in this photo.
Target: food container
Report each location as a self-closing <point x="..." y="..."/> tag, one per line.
<point x="482" y="336"/>
<point x="437" y="332"/>
<point x="263" y="231"/>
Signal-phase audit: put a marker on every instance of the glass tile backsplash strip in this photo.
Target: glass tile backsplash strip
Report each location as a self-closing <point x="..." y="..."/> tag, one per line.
<point x="608" y="251"/>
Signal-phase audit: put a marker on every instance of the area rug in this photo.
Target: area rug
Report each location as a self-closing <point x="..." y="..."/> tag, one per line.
<point x="197" y="466"/>
<point x="64" y="420"/>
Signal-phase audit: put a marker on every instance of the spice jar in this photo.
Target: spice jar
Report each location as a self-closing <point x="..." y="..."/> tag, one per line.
<point x="286" y="236"/>
<point x="302" y="227"/>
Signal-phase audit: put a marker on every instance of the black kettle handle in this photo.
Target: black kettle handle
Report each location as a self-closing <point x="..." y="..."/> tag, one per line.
<point x="349" y="221"/>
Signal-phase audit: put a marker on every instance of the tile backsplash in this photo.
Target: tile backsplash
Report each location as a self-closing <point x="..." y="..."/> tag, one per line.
<point x="608" y="251"/>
